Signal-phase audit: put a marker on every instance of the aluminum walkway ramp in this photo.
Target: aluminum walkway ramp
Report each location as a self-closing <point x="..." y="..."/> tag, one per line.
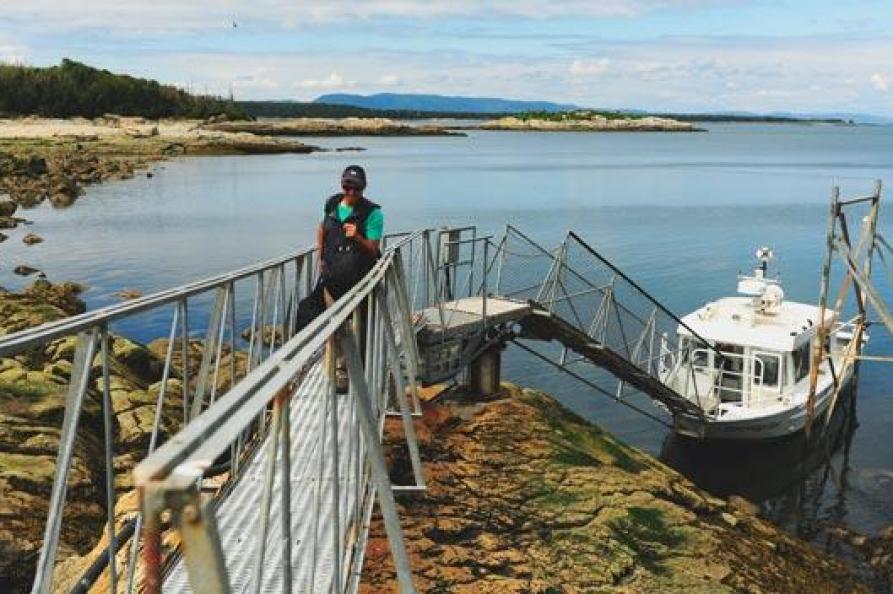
<point x="312" y="484"/>
<point x="543" y="325"/>
<point x="294" y="514"/>
<point x="571" y="295"/>
<point x="451" y="334"/>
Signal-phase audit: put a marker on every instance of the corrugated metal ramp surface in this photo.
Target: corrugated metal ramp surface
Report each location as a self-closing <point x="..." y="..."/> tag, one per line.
<point x="312" y="500"/>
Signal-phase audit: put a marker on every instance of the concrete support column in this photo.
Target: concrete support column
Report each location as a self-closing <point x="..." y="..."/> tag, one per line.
<point x="485" y="371"/>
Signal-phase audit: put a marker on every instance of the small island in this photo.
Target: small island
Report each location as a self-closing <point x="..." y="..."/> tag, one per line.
<point x="588" y="121"/>
<point x="348" y="126"/>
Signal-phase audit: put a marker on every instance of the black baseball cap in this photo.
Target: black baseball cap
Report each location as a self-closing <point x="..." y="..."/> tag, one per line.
<point x="354" y="176"/>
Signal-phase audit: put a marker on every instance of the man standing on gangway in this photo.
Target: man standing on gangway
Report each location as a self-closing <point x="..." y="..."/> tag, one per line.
<point x="348" y="241"/>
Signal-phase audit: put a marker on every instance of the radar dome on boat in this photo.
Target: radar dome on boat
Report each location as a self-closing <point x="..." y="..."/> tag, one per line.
<point x="770" y="300"/>
<point x="766" y="292"/>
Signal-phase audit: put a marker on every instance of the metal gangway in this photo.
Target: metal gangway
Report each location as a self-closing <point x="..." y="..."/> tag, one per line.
<point x="270" y="484"/>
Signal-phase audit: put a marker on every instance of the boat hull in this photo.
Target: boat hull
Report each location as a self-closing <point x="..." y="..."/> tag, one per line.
<point x="774" y="426"/>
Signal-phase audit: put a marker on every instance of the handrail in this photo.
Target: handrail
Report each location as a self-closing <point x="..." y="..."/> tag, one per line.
<point x="167" y="479"/>
<point x="77" y="323"/>
<point x="301" y="346"/>
<point x="644" y="293"/>
<point x="207" y="436"/>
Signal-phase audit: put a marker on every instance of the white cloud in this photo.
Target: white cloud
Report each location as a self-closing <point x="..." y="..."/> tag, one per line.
<point x="589" y="67"/>
<point x="389" y="80"/>
<point x="807" y="74"/>
<point x="775" y="93"/>
<point x="333" y="81"/>
<point x="672" y="74"/>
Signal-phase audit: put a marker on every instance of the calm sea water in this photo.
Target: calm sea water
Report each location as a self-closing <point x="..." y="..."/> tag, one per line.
<point x="681" y="213"/>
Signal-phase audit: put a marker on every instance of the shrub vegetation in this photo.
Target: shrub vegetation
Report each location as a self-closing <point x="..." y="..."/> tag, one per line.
<point x="74" y="89"/>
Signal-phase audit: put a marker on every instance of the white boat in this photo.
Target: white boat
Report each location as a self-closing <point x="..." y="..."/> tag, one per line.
<point x="745" y="361"/>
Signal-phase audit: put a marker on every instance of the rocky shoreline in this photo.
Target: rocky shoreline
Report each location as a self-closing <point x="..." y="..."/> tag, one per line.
<point x="524" y="496"/>
<point x="49" y="160"/>
<point x="332" y="127"/>
<point x="594" y="123"/>
<point x="53" y="160"/>
<point x="33" y="388"/>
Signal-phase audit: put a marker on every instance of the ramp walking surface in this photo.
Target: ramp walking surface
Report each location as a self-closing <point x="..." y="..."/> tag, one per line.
<point x="239" y="513"/>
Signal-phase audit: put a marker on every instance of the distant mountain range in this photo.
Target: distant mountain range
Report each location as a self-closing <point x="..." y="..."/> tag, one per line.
<point x="440" y="103"/>
<point x="416" y="105"/>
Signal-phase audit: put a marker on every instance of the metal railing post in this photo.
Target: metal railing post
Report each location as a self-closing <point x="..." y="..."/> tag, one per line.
<point x="362" y="398"/>
<point x="209" y="351"/>
<point x="151" y="504"/>
<point x="107" y="413"/>
<point x="408" y="427"/>
<point x="269" y="480"/>
<point x="153" y="440"/>
<point x="184" y="340"/>
<point x="336" y="487"/>
<point x="77" y="390"/>
<point x="406" y="331"/>
<point x="484" y="288"/>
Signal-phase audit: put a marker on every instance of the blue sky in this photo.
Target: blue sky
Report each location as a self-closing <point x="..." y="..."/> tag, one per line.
<point x="690" y="55"/>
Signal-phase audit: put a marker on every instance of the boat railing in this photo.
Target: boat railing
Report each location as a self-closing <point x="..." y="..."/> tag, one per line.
<point x="746" y="380"/>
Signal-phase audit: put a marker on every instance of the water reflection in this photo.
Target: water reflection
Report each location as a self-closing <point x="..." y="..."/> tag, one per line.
<point x="771" y="472"/>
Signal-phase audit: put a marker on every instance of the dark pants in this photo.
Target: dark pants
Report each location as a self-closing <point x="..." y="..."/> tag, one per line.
<point x="310" y="307"/>
<point x="314" y="304"/>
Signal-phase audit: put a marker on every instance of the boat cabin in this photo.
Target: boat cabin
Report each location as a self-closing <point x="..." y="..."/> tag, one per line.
<point x="758" y="348"/>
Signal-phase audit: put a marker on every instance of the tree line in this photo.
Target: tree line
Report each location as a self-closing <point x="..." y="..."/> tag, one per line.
<point x="74" y="89"/>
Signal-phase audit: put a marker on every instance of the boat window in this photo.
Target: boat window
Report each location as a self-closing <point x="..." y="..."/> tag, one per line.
<point x="732" y="357"/>
<point x="801" y="361"/>
<point x="700" y="358"/>
<point x="770" y="364"/>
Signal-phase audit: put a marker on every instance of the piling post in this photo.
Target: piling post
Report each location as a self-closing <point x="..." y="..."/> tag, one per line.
<point x="484" y="371"/>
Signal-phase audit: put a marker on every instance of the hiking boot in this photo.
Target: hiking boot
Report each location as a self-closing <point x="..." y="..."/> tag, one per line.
<point x="342" y="380"/>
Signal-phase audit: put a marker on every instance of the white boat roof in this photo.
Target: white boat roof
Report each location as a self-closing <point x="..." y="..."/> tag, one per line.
<point x="733" y="320"/>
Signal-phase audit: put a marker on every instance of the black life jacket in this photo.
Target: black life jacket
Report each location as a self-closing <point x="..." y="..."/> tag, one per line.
<point x="345" y="261"/>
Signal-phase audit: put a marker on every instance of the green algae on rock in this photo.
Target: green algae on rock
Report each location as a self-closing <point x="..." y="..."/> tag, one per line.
<point x="33" y="391"/>
<point x="524" y="496"/>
